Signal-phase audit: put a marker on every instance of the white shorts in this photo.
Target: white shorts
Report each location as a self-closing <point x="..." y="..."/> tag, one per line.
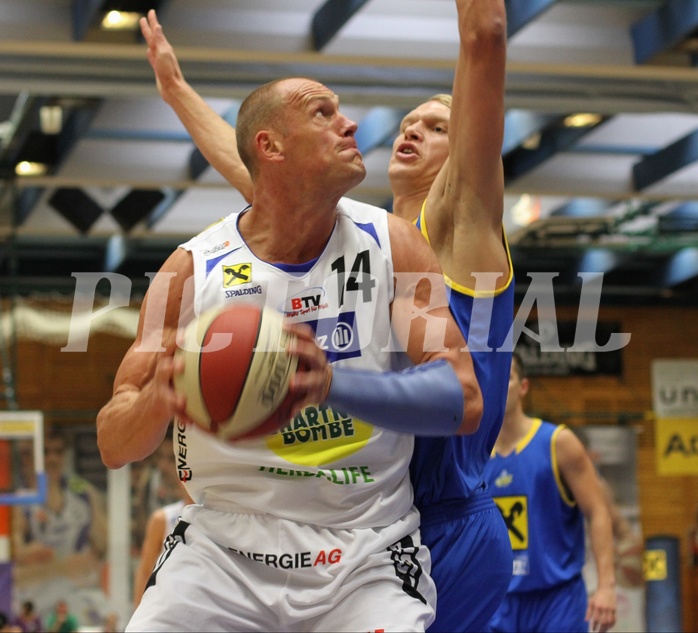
<point x="267" y="574"/>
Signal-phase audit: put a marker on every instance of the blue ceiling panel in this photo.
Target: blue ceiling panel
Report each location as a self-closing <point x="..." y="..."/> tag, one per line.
<point x="330" y="18"/>
<point x="664" y="28"/>
<point x="377" y="127"/>
<point x="666" y="161"/>
<point x="521" y="12"/>
<point x="681" y="267"/>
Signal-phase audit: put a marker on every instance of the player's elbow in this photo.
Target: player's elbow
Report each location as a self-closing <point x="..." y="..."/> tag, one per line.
<point x="108" y="450"/>
<point x="473" y="407"/>
<point x="111" y="459"/>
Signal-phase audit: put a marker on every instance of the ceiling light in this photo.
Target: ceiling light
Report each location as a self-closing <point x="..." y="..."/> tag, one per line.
<point x="121" y="21"/>
<point x="533" y="141"/>
<point x="583" y="119"/>
<point x="526" y="209"/>
<point x="30" y="168"/>
<point x="51" y="119"/>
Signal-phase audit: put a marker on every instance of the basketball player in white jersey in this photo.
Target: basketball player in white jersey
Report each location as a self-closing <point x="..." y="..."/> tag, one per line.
<point x="311" y="528"/>
<point x="445" y="174"/>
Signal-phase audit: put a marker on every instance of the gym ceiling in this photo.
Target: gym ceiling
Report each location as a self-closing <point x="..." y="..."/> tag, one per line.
<point x="600" y="151"/>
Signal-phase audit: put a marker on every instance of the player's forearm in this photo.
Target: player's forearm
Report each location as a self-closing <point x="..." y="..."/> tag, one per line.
<point x="474" y="188"/>
<point x="428" y="399"/>
<point x="131" y="426"/>
<point x="215" y="138"/>
<point x="601" y="538"/>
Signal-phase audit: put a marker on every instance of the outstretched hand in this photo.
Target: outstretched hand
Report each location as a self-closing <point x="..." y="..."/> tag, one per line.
<point x="161" y="55"/>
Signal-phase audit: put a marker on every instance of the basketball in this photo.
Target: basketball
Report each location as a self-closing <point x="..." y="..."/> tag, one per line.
<point x="236" y="369"/>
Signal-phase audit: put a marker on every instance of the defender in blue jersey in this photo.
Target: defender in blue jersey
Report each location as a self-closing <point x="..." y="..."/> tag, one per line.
<point x="446" y="163"/>
<point x="446" y="174"/>
<point x="460" y="522"/>
<point x="545" y="485"/>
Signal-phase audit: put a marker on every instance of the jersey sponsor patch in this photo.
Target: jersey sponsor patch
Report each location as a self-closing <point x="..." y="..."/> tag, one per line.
<point x="338" y="337"/>
<point x="520" y="564"/>
<point x="514" y="511"/>
<point x="318" y="436"/>
<point x="236" y="274"/>
<point x="294" y="560"/>
<point x="307" y="301"/>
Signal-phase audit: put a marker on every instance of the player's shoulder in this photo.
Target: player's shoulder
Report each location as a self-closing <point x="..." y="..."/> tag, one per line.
<point x="361" y="212"/>
<point x="216" y="236"/>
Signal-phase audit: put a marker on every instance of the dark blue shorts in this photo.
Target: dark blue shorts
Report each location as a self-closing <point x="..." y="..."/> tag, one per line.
<point x="557" y="610"/>
<point x="471" y="561"/>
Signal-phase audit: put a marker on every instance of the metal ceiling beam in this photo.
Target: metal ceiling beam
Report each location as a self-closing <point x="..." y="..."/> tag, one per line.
<point x="197" y="162"/>
<point x="553" y="139"/>
<point x="521" y="12"/>
<point x="89" y="69"/>
<point x="77" y="120"/>
<point x="330" y="18"/>
<point x="664" y="28"/>
<point x="666" y="161"/>
<point x="83" y="13"/>
<point x="583" y="208"/>
<point x="521" y="126"/>
<point x="87" y="18"/>
<point x="682" y="219"/>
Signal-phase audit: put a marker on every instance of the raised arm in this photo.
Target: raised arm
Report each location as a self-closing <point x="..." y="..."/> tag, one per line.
<point x="436" y="337"/>
<point x="213" y="136"/>
<point x="465" y="204"/>
<point x="581" y="478"/>
<point x="134" y="422"/>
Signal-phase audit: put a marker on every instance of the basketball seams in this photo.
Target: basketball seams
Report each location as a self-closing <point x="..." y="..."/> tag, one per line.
<point x="221" y="377"/>
<point x="249" y="376"/>
<point x="188" y="381"/>
<point x="243" y="389"/>
<point x="251" y="409"/>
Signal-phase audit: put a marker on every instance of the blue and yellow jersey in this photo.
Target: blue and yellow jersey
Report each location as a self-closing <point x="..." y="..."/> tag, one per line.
<point x="445" y="470"/>
<point x="546" y="527"/>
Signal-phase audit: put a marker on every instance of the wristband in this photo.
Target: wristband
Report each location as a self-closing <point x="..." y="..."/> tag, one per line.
<point x="423" y="400"/>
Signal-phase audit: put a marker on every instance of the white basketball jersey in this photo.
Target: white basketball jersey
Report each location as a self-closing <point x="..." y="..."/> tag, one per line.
<point x="172" y="512"/>
<point x="324" y="467"/>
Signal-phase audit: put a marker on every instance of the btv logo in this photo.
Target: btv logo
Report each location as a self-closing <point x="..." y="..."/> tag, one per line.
<point x="298" y="303"/>
<point x="309" y="300"/>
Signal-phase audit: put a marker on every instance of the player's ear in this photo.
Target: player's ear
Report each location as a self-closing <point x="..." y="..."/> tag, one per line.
<point x="524" y="387"/>
<point x="268" y="145"/>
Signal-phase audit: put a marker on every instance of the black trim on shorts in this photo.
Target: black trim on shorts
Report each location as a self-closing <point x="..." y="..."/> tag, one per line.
<point x="175" y="537"/>
<point x="407" y="566"/>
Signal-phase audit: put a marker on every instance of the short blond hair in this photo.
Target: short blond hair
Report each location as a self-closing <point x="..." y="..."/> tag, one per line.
<point x="442" y="98"/>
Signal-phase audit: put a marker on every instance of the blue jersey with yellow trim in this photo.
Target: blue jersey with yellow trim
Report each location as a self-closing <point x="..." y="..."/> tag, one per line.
<point x="546" y="527"/>
<point x="446" y="470"/>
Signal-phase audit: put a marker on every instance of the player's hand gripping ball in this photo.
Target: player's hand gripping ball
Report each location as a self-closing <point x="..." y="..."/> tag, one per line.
<point x="236" y="369"/>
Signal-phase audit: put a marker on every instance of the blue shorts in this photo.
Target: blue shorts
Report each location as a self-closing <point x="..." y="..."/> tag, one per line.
<point x="471" y="561"/>
<point x="558" y="610"/>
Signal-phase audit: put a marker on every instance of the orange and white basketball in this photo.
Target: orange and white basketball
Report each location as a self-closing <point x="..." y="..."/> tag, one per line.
<point x="236" y="369"/>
